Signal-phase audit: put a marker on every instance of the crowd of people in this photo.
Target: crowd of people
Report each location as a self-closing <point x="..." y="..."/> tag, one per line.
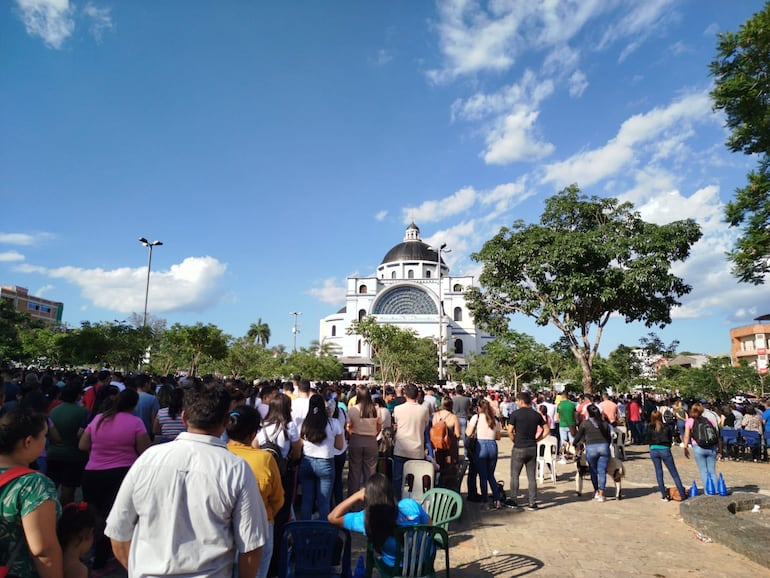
<point x="142" y="449"/>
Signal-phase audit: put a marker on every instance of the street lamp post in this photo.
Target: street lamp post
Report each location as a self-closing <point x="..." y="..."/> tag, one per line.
<point x="441" y="249"/>
<point x="149" y="245"/>
<point x="294" y="329"/>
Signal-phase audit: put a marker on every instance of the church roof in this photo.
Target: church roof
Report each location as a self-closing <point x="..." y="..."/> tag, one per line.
<point x="410" y="251"/>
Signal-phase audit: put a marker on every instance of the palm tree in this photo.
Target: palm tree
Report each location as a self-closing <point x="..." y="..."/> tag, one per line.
<point x="259" y="333"/>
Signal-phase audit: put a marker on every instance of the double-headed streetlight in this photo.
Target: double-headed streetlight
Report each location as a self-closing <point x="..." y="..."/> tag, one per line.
<point x="149" y="245"/>
<point x="294" y="329"/>
<point x="441" y="249"/>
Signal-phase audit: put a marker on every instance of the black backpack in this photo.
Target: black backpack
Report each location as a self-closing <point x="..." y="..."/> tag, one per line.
<point x="274" y="450"/>
<point x="705" y="433"/>
<point x="668" y="416"/>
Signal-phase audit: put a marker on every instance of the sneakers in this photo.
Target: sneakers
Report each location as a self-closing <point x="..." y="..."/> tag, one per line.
<point x="563" y="460"/>
<point x="665" y="499"/>
<point x="532" y="507"/>
<point x="600" y="499"/>
<point x="512" y="505"/>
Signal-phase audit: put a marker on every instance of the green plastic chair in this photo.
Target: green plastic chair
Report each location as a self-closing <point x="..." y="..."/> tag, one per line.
<point x="416" y="553"/>
<point x="443" y="506"/>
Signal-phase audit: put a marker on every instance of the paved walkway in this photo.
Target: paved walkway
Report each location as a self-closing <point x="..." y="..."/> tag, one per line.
<point x="574" y="536"/>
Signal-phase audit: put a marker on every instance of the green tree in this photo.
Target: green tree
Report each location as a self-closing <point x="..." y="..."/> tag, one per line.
<point x="513" y="358"/>
<point x="190" y="346"/>
<point x="259" y="333"/>
<point x="397" y="353"/>
<point x="11" y="322"/>
<point x="741" y="73"/>
<point x="587" y="259"/>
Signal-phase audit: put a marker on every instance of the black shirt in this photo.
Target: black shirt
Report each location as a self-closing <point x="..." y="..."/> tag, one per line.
<point x="525" y="422"/>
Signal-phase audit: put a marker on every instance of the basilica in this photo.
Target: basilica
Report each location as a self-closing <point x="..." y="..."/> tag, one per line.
<point x="410" y="286"/>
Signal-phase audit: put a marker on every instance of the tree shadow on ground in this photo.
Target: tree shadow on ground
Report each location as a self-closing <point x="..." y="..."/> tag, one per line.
<point x="499" y="566"/>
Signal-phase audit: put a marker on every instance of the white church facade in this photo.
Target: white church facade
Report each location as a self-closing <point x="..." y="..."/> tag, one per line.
<point x="406" y="291"/>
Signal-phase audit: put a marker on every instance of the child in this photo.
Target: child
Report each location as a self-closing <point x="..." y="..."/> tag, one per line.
<point x="76" y="536"/>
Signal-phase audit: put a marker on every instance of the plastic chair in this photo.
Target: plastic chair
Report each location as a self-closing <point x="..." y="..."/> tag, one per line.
<point x="314" y="549"/>
<point x="751" y="441"/>
<point x="415" y="554"/>
<point x="729" y="441"/>
<point x="547" y="452"/>
<point x="419" y="477"/>
<point x="443" y="506"/>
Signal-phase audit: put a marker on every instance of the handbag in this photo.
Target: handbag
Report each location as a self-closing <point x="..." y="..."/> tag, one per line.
<point x="472" y="441"/>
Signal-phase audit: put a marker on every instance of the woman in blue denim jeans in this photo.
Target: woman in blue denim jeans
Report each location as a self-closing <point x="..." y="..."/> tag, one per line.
<point x="321" y="435"/>
<point x="705" y="457"/>
<point x="660" y="438"/>
<point x="488" y="431"/>
<point x="596" y="433"/>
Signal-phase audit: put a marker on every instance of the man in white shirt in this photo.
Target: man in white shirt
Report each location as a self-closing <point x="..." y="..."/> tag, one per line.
<point x="301" y="404"/>
<point x="190" y="508"/>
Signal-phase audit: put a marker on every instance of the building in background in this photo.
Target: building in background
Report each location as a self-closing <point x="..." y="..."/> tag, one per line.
<point x="405" y="292"/>
<point x="749" y="344"/>
<point x="38" y="308"/>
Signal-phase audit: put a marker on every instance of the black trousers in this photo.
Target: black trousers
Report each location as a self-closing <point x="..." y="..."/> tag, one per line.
<point x="100" y="488"/>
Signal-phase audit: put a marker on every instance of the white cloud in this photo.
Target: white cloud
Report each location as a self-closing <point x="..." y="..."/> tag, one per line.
<point x="44" y="289"/>
<point x="577" y="84"/>
<point x="505" y="196"/>
<point x="640" y="20"/>
<point x="380" y="216"/>
<point x="475" y="38"/>
<point x="384" y="56"/>
<point x="329" y="292"/>
<point x="621" y="152"/>
<point x="192" y="285"/>
<point x="515" y="139"/>
<point x="24" y="238"/>
<point x="711" y="30"/>
<point x="100" y="20"/>
<point x="528" y="92"/>
<point x="51" y="20"/>
<point x="9" y="256"/>
<point x="430" y="211"/>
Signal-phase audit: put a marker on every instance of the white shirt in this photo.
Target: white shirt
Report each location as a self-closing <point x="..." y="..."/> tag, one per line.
<point x="188" y="507"/>
<point x="325" y="449"/>
<point x="299" y="409"/>
<point x="284" y="439"/>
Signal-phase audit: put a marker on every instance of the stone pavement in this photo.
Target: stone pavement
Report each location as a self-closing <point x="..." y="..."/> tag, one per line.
<point x="574" y="536"/>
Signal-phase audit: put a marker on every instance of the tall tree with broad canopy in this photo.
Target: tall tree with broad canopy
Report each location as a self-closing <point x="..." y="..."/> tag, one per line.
<point x="741" y="74"/>
<point x="589" y="257"/>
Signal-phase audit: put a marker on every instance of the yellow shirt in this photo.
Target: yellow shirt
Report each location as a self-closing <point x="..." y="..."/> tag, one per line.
<point x="266" y="471"/>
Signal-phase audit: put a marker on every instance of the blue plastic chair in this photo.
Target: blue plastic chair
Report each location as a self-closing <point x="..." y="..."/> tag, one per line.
<point x="752" y="440"/>
<point x="729" y="441"/>
<point x="314" y="549"/>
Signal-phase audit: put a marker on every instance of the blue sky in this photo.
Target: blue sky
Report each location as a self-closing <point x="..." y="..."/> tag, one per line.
<point x="278" y="147"/>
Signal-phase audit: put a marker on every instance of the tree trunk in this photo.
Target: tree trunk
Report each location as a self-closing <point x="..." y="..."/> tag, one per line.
<point x="588" y="377"/>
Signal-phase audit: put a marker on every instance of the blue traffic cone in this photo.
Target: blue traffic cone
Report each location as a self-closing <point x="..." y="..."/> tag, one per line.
<point x="693" y="493"/>
<point x="710" y="489"/>
<point x="360" y="571"/>
<point x="721" y="486"/>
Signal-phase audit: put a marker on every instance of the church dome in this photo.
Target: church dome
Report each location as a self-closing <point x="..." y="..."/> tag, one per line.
<point x="411" y="249"/>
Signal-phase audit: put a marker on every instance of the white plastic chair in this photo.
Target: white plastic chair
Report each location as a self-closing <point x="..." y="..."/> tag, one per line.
<point x="547" y="452"/>
<point x="419" y="477"/>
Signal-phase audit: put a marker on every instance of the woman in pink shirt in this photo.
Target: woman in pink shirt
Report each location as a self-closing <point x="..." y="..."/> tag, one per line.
<point x="114" y="439"/>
